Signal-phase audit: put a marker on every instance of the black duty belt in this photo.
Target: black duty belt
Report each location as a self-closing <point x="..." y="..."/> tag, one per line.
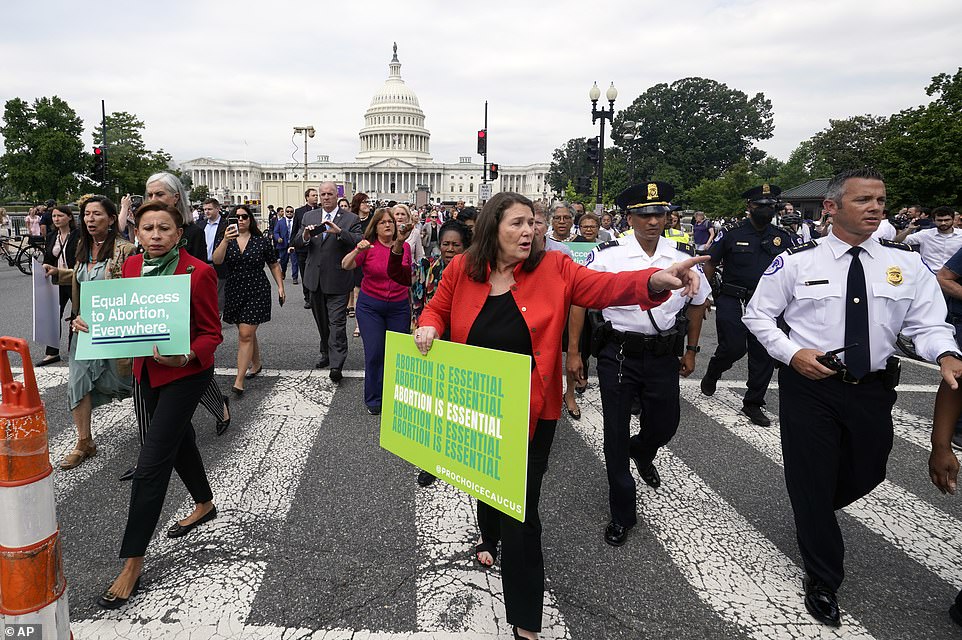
<point x="632" y="342"/>
<point x="848" y="378"/>
<point x="739" y="292"/>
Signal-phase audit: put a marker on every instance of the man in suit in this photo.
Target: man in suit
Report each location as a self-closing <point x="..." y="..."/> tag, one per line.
<point x="328" y="234"/>
<point x="283" y="230"/>
<point x="310" y="203"/>
<point x="213" y="225"/>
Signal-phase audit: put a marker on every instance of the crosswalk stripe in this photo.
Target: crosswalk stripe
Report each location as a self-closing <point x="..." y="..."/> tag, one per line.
<point x="926" y="534"/>
<point x="912" y="428"/>
<point x="453" y="593"/>
<point x="731" y="566"/>
<point x="253" y="491"/>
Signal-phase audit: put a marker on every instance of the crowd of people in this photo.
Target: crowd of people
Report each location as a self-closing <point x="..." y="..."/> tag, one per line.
<point x="503" y="278"/>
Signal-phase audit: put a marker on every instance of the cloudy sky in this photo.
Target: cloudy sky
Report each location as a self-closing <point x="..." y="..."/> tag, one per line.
<point x="231" y="79"/>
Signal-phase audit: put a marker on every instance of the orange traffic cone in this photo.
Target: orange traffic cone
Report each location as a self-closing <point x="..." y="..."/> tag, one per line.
<point x="32" y="584"/>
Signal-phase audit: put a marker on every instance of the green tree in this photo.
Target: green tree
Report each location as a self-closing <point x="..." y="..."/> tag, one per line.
<point x="691" y="130"/>
<point x="129" y="162"/>
<point x="568" y="163"/>
<point x="199" y="193"/>
<point x="846" y="144"/>
<point x="722" y="196"/>
<point x="44" y="155"/>
<point x="921" y="152"/>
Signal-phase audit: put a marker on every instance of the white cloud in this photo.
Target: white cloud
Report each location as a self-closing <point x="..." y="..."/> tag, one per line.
<point x="231" y="79"/>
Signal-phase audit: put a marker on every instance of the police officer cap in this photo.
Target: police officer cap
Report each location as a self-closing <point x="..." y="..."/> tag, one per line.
<point x="764" y="194"/>
<point x="647" y="198"/>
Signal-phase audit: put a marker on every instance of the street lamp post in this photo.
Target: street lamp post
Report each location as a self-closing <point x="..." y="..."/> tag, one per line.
<point x="308" y="132"/>
<point x="602" y="114"/>
<point x="633" y="133"/>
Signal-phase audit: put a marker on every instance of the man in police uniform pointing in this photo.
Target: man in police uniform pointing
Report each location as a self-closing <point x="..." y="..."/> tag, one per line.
<point x="642" y="353"/>
<point x="851" y="294"/>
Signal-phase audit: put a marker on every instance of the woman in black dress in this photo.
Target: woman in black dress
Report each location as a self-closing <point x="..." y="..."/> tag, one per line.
<point x="59" y="251"/>
<point x="247" y="292"/>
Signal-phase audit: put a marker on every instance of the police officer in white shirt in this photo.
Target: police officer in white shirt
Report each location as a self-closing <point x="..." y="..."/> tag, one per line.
<point x="849" y="291"/>
<point x="939" y="243"/>
<point x="641" y="354"/>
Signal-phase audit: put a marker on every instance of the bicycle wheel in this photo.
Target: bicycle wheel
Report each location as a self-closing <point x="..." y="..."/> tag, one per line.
<point x="25" y="259"/>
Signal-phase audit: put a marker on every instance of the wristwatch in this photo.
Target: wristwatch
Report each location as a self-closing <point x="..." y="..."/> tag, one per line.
<point x="694" y="348"/>
<point x="954" y="354"/>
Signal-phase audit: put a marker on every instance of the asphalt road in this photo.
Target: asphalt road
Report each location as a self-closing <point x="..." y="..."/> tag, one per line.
<point x="322" y="534"/>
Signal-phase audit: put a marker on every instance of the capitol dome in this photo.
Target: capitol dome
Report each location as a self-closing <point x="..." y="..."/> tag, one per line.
<point x="394" y="122"/>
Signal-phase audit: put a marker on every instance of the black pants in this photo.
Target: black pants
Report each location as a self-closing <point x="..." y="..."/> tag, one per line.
<point x="64" y="299"/>
<point x="522" y="561"/>
<point x="836" y="439"/>
<point x="654" y="380"/>
<point x="330" y="316"/>
<point x="212" y="400"/>
<point x="734" y="340"/>
<point x="169" y="444"/>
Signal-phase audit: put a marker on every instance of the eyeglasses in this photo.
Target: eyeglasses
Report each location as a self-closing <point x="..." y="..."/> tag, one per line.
<point x="243" y="216"/>
<point x="562" y="218"/>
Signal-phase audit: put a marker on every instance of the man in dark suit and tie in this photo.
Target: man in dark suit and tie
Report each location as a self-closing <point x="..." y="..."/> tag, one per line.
<point x="213" y="225"/>
<point x="310" y="203"/>
<point x="283" y="231"/>
<point x="328" y="234"/>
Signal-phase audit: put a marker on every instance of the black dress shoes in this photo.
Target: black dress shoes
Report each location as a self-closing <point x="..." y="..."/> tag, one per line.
<point x="426" y="478"/>
<point x="223" y="424"/>
<point x="45" y="361"/>
<point x="127" y="475"/>
<point x="755" y="414"/>
<point x="955" y="611"/>
<point x="616" y="534"/>
<point x="178" y="530"/>
<point x="323" y="362"/>
<point x="374" y="411"/>
<point x="821" y="602"/>
<point x="307" y="305"/>
<point x="708" y="385"/>
<point x="650" y="475"/>
<point x="109" y="600"/>
<point x="336" y="375"/>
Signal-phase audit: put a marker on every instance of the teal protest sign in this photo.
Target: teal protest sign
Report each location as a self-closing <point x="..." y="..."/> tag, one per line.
<point x="128" y="316"/>
<point x="461" y="413"/>
<point x="581" y="250"/>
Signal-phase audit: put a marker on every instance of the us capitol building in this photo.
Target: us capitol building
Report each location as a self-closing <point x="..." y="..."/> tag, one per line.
<point x="394" y="163"/>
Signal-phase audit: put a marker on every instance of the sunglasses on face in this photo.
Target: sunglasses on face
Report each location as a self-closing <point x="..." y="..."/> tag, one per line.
<point x="243" y="216"/>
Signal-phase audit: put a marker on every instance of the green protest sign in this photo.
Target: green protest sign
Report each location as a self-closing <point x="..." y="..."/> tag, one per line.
<point x="128" y="316"/>
<point x="581" y="250"/>
<point x="461" y="413"/>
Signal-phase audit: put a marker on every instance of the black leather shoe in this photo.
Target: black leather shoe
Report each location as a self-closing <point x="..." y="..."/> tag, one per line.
<point x="649" y="474"/>
<point x="323" y="362"/>
<point x="821" y="602"/>
<point x="616" y="534"/>
<point x="754" y="413"/>
<point x="223" y="424"/>
<point x="374" y="411"/>
<point x="709" y="384"/>
<point x="426" y="478"/>
<point x="307" y="305"/>
<point x="45" y="362"/>
<point x="127" y="475"/>
<point x="336" y="375"/>
<point x="178" y="530"/>
<point x="109" y="600"/>
<point x="955" y="611"/>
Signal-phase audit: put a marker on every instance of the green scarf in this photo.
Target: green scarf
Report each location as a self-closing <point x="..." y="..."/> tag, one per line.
<point x="166" y="264"/>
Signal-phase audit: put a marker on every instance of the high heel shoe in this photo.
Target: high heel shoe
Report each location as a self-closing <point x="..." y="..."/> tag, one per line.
<point x="223" y="424"/>
<point x="237" y="392"/>
<point x="253" y="374"/>
<point x="110" y="600"/>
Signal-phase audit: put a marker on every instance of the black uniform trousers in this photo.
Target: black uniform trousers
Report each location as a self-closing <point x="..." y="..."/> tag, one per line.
<point x="734" y="340"/>
<point x="522" y="561"/>
<point x="654" y="380"/>
<point x="169" y="444"/>
<point x="330" y="316"/>
<point x="836" y="439"/>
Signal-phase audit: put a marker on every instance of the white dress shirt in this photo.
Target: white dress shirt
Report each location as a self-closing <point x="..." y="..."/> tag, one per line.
<point x="629" y="256"/>
<point x="885" y="231"/>
<point x="810" y="287"/>
<point x="210" y="234"/>
<point x="936" y="248"/>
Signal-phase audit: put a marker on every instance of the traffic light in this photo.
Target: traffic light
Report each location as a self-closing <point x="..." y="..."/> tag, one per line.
<point x="593" y="150"/>
<point x="492" y="171"/>
<point x="483" y="142"/>
<point x="100" y="164"/>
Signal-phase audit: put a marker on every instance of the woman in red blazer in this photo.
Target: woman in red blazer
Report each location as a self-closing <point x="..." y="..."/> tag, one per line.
<point x="512" y="295"/>
<point x="172" y="387"/>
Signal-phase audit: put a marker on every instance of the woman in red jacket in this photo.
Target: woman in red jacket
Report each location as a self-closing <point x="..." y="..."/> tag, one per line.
<point x="512" y="295"/>
<point x="172" y="387"/>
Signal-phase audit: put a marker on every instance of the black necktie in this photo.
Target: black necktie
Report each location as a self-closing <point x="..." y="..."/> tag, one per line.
<point x="857" y="359"/>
